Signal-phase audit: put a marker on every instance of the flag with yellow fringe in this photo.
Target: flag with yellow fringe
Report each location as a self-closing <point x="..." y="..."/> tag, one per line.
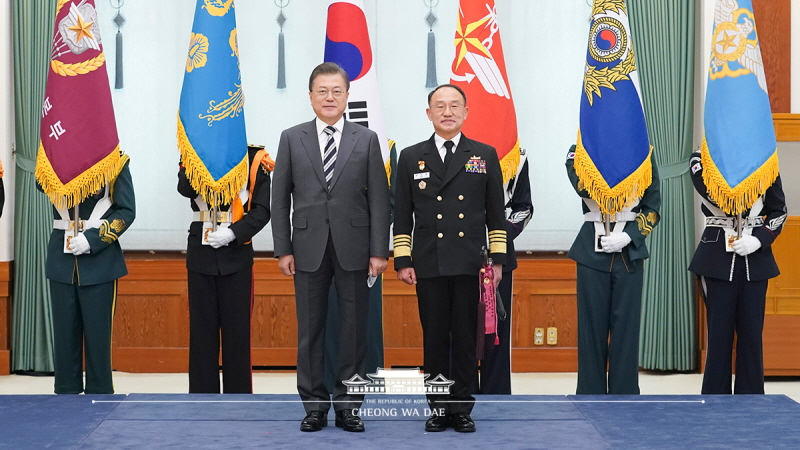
<point x="739" y="152"/>
<point x="79" y="146"/>
<point x="211" y="128"/>
<point x="612" y="157"/>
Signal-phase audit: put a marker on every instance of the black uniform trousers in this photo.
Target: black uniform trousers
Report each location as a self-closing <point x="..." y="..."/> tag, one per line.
<point x="448" y="311"/>
<point x="311" y="289"/>
<point x="83" y="317"/>
<point x="496" y="362"/>
<point x="734" y="307"/>
<point x="609" y="309"/>
<point x="220" y="302"/>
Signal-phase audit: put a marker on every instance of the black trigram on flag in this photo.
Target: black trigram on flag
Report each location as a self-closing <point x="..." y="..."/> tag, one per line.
<point x="357" y="113"/>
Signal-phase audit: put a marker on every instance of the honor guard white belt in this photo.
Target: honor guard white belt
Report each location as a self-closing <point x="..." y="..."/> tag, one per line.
<point x="624" y="216"/>
<point x="206" y="216"/>
<point x="730" y="222"/>
<point x="82" y="224"/>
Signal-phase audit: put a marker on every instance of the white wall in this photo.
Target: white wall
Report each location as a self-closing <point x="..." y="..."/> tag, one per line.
<point x="6" y="132"/>
<point x="545" y="64"/>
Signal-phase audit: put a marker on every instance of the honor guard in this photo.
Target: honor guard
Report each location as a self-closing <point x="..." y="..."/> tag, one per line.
<point x="610" y="277"/>
<point x="734" y="269"/>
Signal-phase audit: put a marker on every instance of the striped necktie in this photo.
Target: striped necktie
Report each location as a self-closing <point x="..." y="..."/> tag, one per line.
<point x="329" y="157"/>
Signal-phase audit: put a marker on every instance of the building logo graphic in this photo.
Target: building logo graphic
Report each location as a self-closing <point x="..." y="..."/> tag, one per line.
<point x="398" y="382"/>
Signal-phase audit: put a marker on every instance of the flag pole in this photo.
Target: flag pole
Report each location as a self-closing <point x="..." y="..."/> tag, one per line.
<point x="739" y="226"/>
<point x="607" y="224"/>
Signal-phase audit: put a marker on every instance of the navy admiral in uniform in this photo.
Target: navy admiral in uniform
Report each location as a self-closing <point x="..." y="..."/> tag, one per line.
<point x="734" y="274"/>
<point x="83" y="273"/>
<point x="496" y="363"/>
<point x="220" y="278"/>
<point x="449" y="193"/>
<point x="610" y="279"/>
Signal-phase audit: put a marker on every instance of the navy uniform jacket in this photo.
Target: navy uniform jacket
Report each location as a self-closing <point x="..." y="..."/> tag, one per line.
<point x="449" y="213"/>
<point x="711" y="260"/>
<point x="582" y="250"/>
<point x="521" y="211"/>
<point x="238" y="254"/>
<point x="104" y="262"/>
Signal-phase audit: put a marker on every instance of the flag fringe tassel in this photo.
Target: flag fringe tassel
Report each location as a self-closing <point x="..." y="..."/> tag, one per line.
<point x="215" y="193"/>
<point x="611" y="200"/>
<point x="79" y="188"/>
<point x="510" y="163"/>
<point x="735" y="200"/>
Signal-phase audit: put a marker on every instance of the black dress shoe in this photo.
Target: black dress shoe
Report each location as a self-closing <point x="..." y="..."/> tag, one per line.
<point x="314" y="421"/>
<point x="348" y="421"/>
<point x="462" y="422"/>
<point x="436" y="423"/>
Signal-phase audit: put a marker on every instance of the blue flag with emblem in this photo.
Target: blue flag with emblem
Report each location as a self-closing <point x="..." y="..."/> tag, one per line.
<point x="739" y="151"/>
<point x="612" y="157"/>
<point x="211" y="128"/>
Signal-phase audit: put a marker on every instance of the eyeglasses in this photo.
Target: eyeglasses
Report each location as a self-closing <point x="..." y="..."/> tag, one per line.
<point x="324" y="93"/>
<point x="441" y="107"/>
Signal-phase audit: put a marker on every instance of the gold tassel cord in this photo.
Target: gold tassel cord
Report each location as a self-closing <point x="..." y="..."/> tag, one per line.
<point x="611" y="200"/>
<point x="510" y="163"/>
<point x="740" y="198"/>
<point x="214" y="193"/>
<point x="76" y="190"/>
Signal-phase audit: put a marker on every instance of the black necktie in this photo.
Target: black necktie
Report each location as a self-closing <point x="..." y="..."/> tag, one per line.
<point x="448" y="156"/>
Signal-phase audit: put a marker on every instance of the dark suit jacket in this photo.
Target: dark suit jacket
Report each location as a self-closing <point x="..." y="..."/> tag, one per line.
<point x="711" y="260"/>
<point x="354" y="212"/>
<point x="450" y="213"/>
<point x="105" y="262"/>
<point x="582" y="250"/>
<point x="236" y="255"/>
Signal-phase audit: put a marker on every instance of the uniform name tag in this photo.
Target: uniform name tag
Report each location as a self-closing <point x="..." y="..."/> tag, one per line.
<point x="475" y="165"/>
<point x="423" y="175"/>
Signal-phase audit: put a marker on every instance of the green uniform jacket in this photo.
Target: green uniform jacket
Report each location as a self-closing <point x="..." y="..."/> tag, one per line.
<point x="582" y="250"/>
<point x="104" y="262"/>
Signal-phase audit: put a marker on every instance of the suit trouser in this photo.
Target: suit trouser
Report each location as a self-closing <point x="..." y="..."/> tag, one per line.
<point x="448" y="310"/>
<point x="311" y="290"/>
<point x="82" y="318"/>
<point x="609" y="309"/>
<point x="220" y="303"/>
<point x="734" y="307"/>
<point x="496" y="363"/>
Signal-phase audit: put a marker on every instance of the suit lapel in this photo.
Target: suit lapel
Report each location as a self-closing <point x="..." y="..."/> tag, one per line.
<point x="432" y="158"/>
<point x="460" y="158"/>
<point x="311" y="143"/>
<point x="346" y="146"/>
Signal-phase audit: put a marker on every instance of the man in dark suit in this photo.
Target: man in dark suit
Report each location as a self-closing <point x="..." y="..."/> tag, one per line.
<point x="610" y="276"/>
<point x="220" y="278"/>
<point x="735" y="274"/>
<point x="331" y="173"/>
<point x="449" y="193"/>
<point x="83" y="272"/>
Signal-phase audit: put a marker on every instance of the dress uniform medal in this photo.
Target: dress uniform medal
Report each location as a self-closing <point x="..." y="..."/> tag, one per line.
<point x="422" y="176"/>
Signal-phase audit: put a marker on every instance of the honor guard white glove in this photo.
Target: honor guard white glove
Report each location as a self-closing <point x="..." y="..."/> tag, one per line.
<point x="615" y="242"/>
<point x="79" y="245"/>
<point x="746" y="244"/>
<point x="221" y="237"/>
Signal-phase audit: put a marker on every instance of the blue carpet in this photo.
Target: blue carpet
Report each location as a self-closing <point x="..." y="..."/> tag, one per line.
<point x="178" y="421"/>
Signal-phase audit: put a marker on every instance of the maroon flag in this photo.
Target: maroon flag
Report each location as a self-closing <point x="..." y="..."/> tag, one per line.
<point x="79" y="147"/>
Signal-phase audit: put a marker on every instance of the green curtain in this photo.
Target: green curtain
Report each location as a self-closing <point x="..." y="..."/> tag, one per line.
<point x="665" y="48"/>
<point x="32" y="337"/>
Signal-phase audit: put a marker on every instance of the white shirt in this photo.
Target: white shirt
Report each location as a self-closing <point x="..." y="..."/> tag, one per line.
<point x="323" y="136"/>
<point x="439" y="141"/>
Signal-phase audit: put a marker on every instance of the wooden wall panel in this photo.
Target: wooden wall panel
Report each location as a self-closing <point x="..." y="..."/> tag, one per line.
<point x="5" y="317"/>
<point x="774" y="22"/>
<point x="151" y="329"/>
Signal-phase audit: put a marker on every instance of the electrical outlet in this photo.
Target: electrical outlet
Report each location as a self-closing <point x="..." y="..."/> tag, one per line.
<point x="538" y="336"/>
<point x="552" y="336"/>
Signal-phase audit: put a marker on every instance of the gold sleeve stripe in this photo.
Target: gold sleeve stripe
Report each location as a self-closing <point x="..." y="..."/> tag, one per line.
<point x="402" y="239"/>
<point x="400" y="252"/>
<point x="402" y="245"/>
<point x="106" y="233"/>
<point x="644" y="224"/>
<point x="497" y="247"/>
